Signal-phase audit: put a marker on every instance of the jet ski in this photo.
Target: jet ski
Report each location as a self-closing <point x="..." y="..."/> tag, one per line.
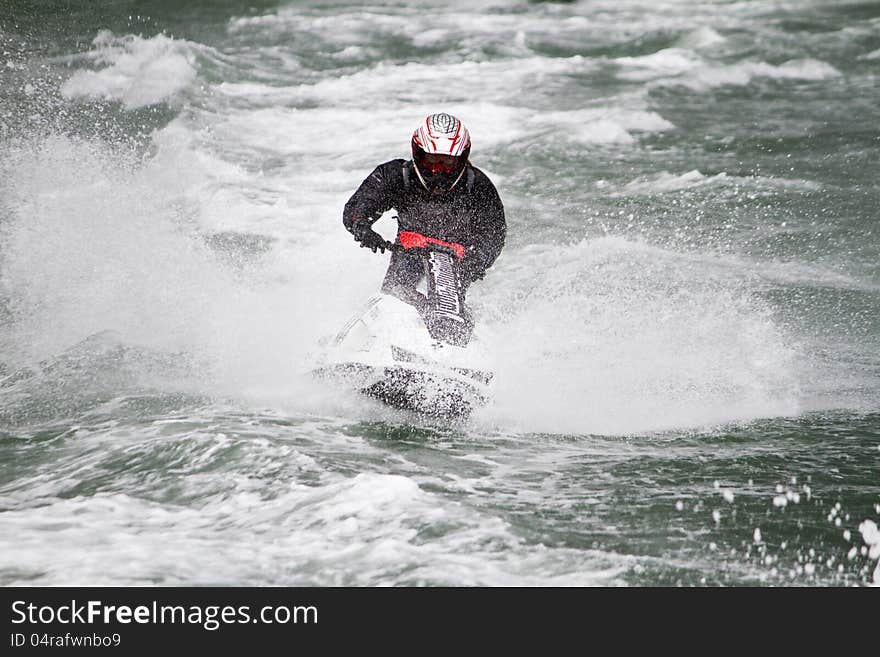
<point x="415" y="350"/>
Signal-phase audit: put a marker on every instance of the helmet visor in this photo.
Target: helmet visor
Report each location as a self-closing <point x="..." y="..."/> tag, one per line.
<point x="435" y="163"/>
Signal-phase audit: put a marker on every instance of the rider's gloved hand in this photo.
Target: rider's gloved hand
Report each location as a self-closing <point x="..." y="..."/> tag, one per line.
<point x="369" y="238"/>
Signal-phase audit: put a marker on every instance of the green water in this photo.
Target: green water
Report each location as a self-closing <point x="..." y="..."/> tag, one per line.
<point x="684" y="320"/>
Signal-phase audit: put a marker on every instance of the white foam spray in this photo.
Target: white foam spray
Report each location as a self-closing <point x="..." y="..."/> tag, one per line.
<point x="615" y="336"/>
<point x="133" y="70"/>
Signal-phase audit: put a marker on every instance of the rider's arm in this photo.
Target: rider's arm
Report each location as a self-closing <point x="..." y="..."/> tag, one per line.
<point x="374" y="197"/>
<point x="489" y="228"/>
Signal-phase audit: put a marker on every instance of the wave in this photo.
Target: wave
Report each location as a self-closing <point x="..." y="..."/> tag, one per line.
<point x="136" y="72"/>
<point x="361" y="530"/>
<point x="870" y="56"/>
<point x="397" y="84"/>
<point x="670" y="182"/>
<point x="606" y="125"/>
<point x="678" y="66"/>
<point x="702" y="37"/>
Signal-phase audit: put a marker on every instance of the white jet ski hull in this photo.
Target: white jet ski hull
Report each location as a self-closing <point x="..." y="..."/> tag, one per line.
<point x="386" y="352"/>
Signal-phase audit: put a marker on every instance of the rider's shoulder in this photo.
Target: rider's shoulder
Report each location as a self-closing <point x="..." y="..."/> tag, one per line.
<point x="392" y="165"/>
<point x="480" y="177"/>
<point x="390" y="172"/>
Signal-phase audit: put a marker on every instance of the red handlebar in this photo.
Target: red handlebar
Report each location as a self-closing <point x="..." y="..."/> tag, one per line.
<point x="409" y="240"/>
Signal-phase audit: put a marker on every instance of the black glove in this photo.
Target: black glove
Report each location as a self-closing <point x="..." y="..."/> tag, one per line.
<point x="369" y="238"/>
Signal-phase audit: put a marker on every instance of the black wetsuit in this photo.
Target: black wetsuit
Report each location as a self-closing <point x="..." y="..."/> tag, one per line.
<point x="471" y="214"/>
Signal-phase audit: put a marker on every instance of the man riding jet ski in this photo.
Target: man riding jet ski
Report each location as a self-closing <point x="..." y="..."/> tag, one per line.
<point x="411" y="347"/>
<point x="438" y="194"/>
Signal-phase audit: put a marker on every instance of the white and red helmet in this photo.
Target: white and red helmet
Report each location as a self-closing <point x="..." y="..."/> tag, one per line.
<point x="440" y="146"/>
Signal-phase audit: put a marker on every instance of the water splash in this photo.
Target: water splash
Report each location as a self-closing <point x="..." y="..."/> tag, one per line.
<point x="136" y="72"/>
<point x="611" y="335"/>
